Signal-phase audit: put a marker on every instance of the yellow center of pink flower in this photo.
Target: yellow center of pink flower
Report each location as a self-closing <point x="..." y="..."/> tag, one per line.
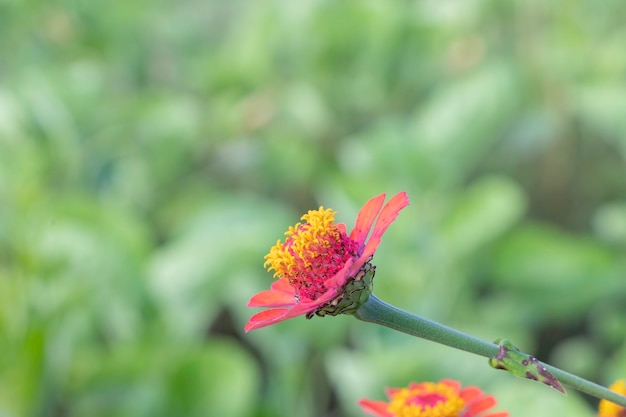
<point x="314" y="251"/>
<point x="426" y="400"/>
<point x="609" y="409"/>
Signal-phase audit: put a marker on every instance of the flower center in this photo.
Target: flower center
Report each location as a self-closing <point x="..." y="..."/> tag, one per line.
<point x="313" y="252"/>
<point x="426" y="400"/>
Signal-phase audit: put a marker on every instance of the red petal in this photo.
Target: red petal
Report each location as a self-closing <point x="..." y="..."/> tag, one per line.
<point x="339" y="279"/>
<point x="269" y="317"/>
<point x="272" y="298"/>
<point x="498" y="414"/>
<point x="387" y="216"/>
<point x="391" y="391"/>
<point x="365" y="218"/>
<point x="266" y="318"/>
<point x="281" y="295"/>
<point x="480" y="405"/>
<point x="470" y="393"/>
<point x="376" y="408"/>
<point x="282" y="285"/>
<point x="455" y="385"/>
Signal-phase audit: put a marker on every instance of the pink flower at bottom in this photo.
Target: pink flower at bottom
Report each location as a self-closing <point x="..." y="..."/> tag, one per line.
<point x="319" y="258"/>
<point x="445" y="398"/>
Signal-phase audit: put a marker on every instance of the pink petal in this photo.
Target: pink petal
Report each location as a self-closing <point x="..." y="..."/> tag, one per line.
<point x="470" y="393"/>
<point x="272" y="298"/>
<point x="391" y="391"/>
<point x="387" y="216"/>
<point x="269" y="317"/>
<point x="479" y="406"/>
<point x="498" y="414"/>
<point x="455" y="385"/>
<point x="265" y="318"/>
<point x="376" y="408"/>
<point x="281" y="295"/>
<point x="282" y="284"/>
<point x="366" y="217"/>
<point x="339" y="279"/>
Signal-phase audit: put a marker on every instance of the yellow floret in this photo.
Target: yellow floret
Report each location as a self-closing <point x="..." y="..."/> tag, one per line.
<point x="609" y="409"/>
<point x="402" y="404"/>
<point x="317" y="223"/>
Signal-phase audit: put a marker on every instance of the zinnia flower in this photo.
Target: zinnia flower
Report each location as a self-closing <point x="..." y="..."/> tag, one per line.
<point x="320" y="268"/>
<point x="609" y="409"/>
<point x="445" y="398"/>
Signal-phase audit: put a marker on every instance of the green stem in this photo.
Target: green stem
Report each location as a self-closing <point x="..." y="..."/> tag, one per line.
<point x="377" y="311"/>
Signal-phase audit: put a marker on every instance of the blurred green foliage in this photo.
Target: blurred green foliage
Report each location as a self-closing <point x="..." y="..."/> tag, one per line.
<point x="151" y="152"/>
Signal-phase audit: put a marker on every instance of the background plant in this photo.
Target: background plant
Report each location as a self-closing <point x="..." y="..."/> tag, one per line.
<point x="152" y="152"/>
